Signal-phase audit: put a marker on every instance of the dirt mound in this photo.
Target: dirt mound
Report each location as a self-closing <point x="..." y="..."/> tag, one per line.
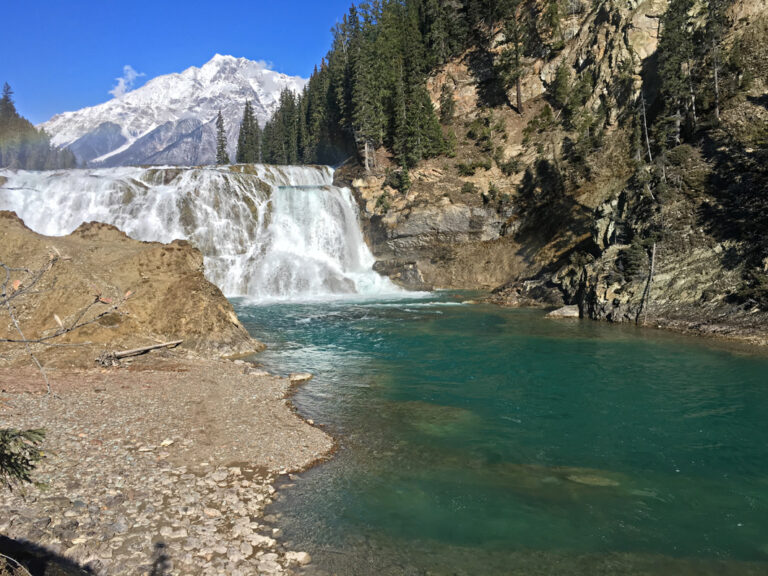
<point x="132" y="293"/>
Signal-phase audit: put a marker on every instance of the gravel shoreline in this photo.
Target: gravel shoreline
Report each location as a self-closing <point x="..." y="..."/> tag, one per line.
<point x="161" y="467"/>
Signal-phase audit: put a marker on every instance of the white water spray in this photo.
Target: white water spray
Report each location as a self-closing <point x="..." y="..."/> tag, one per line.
<point x="268" y="233"/>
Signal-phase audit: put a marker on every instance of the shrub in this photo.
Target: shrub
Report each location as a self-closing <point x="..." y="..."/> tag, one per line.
<point x="400" y="180"/>
<point x="465" y="169"/>
<point x="633" y="260"/>
<point x="19" y="453"/>
<point x="383" y="204"/>
<point x="468" y="188"/>
<point x="511" y="166"/>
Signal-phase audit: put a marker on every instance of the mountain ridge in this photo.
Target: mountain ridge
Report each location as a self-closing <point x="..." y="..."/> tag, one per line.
<point x="117" y="131"/>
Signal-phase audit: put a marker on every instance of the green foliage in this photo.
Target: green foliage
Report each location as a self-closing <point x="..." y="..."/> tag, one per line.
<point x="400" y="180"/>
<point x="370" y="90"/>
<point x="753" y="290"/>
<point x="480" y="131"/>
<point x="511" y="167"/>
<point x="383" y="204"/>
<point x="469" y="188"/>
<point x="542" y="122"/>
<point x="249" y="138"/>
<point x="465" y="169"/>
<point x="495" y="197"/>
<point x="19" y="454"/>
<point x="283" y="136"/>
<point x="24" y="147"/>
<point x="451" y="143"/>
<point x="447" y="104"/>
<point x="633" y="260"/>
<point x="509" y="66"/>
<point x="471" y="168"/>
<point x="222" y="156"/>
<point x="560" y="89"/>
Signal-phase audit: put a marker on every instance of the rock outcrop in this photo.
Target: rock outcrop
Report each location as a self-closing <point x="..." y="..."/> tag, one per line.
<point x="522" y="210"/>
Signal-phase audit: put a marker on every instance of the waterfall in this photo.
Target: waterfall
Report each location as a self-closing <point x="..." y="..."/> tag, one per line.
<point x="266" y="232"/>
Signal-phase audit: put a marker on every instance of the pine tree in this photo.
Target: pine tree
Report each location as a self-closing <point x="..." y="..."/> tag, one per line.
<point x="447" y="104"/>
<point x="24" y="147"/>
<point x="511" y="66"/>
<point x="676" y="55"/>
<point x="249" y="138"/>
<point x="717" y="23"/>
<point x="222" y="157"/>
<point x="7" y="107"/>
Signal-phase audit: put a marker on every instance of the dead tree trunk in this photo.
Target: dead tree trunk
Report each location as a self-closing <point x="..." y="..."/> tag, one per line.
<point x="647" y="292"/>
<point x="645" y="129"/>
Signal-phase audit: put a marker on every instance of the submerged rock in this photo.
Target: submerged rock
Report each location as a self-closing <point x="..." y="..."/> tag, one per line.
<point x="301" y="558"/>
<point x="565" y="312"/>
<point x="592" y="480"/>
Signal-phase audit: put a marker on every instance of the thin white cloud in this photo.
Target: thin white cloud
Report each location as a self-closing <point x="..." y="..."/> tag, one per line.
<point x="125" y="83"/>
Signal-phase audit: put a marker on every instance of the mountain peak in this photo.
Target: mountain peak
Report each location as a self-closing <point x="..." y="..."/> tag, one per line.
<point x="138" y="127"/>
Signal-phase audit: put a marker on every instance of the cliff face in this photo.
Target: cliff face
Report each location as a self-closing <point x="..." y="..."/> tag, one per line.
<point x="524" y="210"/>
<point x="168" y="297"/>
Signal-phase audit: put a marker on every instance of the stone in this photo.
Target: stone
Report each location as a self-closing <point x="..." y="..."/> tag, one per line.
<point x="300" y="377"/>
<point x="212" y="513"/>
<point x="300" y="558"/>
<point x="262" y="541"/>
<point x="219" y="475"/>
<point x="565" y="312"/>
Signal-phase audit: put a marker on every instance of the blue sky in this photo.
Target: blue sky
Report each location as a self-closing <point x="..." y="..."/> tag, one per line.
<point x="61" y="56"/>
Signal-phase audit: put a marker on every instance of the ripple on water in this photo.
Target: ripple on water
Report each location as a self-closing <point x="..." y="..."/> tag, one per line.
<point x="488" y="441"/>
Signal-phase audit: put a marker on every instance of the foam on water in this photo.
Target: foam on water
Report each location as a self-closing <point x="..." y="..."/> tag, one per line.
<point x="273" y="233"/>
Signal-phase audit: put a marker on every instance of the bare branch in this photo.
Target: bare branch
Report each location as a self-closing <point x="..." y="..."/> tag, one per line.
<point x="10" y="291"/>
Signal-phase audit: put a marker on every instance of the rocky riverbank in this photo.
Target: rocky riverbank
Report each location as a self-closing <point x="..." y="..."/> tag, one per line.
<point x="161" y="467"/>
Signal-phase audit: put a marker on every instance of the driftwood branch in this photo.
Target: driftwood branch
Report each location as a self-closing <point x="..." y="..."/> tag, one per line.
<point x="5" y="300"/>
<point x="145" y="349"/>
<point x="113" y="358"/>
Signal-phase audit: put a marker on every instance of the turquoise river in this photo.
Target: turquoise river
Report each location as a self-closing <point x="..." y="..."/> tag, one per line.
<point x="479" y="440"/>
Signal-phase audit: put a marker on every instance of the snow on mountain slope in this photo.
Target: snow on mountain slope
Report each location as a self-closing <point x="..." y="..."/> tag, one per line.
<point x="154" y="117"/>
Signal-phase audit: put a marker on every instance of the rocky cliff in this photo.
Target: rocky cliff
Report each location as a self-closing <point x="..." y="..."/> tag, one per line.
<point x="549" y="210"/>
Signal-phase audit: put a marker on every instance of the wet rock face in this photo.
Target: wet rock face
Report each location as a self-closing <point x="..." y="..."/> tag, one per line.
<point x="405" y="273"/>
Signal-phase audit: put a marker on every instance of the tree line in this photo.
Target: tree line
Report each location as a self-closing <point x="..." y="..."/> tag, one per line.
<point x="369" y="92"/>
<point x="370" y="89"/>
<point x="24" y="147"/>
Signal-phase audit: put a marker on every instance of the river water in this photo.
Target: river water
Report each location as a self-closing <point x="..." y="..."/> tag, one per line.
<point x="479" y="440"/>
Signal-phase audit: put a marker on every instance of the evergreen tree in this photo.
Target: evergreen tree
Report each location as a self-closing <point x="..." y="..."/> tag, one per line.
<point x="24" y="147"/>
<point x="676" y="56"/>
<point x="717" y="23"/>
<point x="447" y="104"/>
<point x="222" y="157"/>
<point x="249" y="139"/>
<point x="511" y="65"/>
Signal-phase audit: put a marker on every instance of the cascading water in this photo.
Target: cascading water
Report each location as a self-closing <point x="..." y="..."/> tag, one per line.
<point x="266" y="232"/>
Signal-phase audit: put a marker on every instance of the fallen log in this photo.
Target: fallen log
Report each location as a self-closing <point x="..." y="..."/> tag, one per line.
<point x="145" y="349"/>
<point x="113" y="358"/>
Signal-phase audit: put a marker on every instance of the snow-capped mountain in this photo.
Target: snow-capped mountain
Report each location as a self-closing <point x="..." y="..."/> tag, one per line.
<point x="171" y="119"/>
